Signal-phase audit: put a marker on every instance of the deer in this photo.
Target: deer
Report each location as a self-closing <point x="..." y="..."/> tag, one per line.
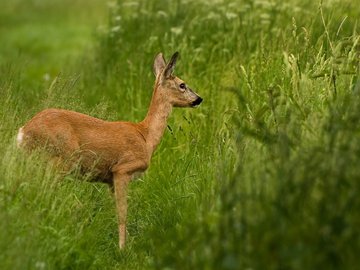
<point x="114" y="152"/>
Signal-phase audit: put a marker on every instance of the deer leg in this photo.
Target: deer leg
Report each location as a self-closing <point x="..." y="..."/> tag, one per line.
<point x="121" y="182"/>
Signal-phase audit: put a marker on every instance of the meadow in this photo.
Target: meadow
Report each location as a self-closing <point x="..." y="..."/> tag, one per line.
<point x="263" y="174"/>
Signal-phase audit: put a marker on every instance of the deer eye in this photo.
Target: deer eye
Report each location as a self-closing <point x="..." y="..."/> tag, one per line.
<point x="182" y="85"/>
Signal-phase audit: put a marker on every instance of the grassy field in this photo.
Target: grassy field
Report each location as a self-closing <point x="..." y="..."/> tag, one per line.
<point x="263" y="175"/>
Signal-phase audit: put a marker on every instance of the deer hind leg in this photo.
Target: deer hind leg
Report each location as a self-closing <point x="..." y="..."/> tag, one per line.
<point x="64" y="166"/>
<point x="121" y="182"/>
<point x="65" y="154"/>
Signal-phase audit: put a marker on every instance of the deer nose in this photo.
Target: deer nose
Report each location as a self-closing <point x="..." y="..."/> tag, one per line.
<point x="196" y="102"/>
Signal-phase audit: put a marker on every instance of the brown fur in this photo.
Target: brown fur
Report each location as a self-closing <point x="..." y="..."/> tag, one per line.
<point x="112" y="151"/>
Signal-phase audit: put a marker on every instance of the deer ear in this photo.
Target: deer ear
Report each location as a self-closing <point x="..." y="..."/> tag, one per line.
<point x="159" y="64"/>
<point x="171" y="65"/>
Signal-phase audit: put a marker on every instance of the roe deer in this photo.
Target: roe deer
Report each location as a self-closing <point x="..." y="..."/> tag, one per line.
<point x="113" y="151"/>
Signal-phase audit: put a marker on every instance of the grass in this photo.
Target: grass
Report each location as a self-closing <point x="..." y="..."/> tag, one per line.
<point x="263" y="175"/>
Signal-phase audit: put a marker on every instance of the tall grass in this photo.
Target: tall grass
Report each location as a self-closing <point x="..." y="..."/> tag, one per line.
<point x="263" y="175"/>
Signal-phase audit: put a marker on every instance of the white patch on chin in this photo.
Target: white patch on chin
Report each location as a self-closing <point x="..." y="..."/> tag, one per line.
<point x="20" y="137"/>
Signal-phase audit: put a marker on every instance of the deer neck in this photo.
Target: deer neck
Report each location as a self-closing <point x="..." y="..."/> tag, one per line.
<point x="155" y="121"/>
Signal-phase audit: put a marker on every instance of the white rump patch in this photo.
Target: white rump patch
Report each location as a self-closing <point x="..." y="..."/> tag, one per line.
<point x="20" y="137"/>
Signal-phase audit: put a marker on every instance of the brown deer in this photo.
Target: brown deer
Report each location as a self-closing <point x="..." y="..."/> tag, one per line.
<point x="111" y="151"/>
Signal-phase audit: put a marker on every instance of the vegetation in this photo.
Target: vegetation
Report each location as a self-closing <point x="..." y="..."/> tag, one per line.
<point x="263" y="175"/>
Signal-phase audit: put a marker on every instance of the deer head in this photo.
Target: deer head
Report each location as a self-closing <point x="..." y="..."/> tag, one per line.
<point x="173" y="89"/>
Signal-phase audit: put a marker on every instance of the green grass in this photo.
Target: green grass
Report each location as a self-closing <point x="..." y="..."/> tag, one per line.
<point x="263" y="175"/>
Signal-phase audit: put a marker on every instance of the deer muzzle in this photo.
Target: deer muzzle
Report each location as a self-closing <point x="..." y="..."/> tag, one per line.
<point x="196" y="102"/>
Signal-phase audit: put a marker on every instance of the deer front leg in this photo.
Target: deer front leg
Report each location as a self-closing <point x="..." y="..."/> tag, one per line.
<point x="121" y="182"/>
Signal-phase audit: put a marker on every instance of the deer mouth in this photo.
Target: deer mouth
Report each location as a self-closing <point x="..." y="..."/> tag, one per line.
<point x="196" y="102"/>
